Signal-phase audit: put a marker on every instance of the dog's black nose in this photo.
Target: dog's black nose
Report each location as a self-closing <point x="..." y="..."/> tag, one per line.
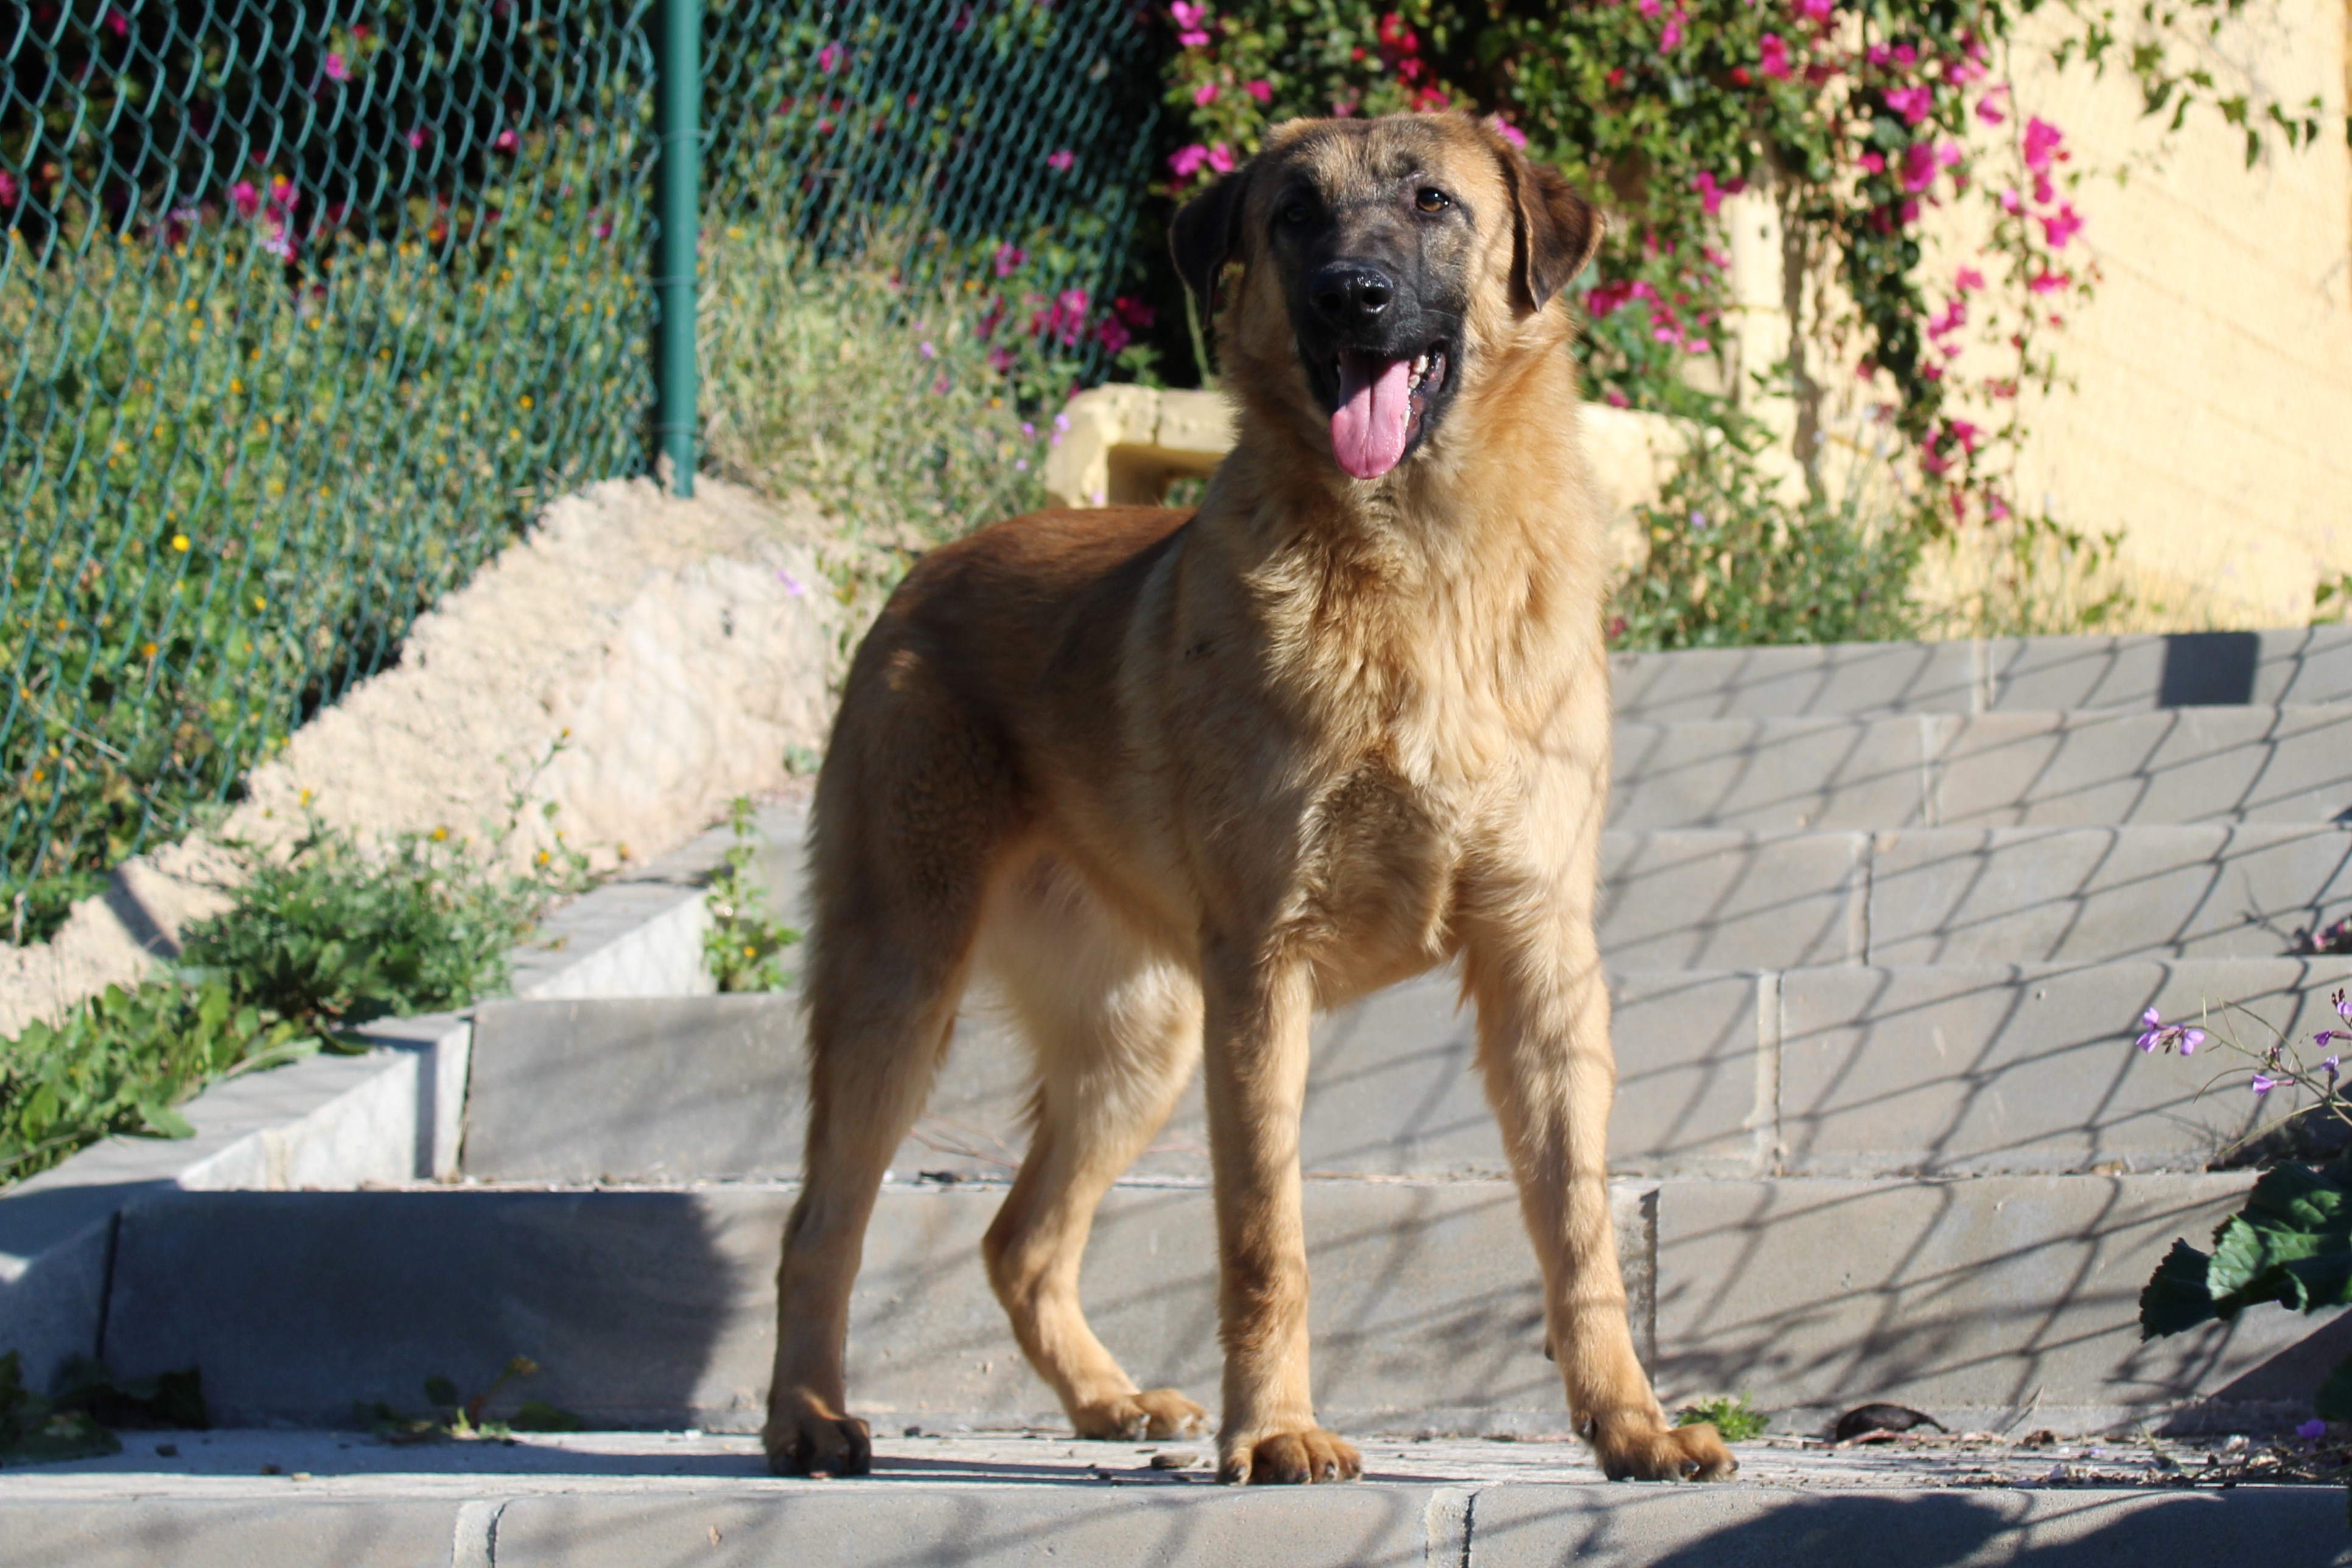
<point x="1349" y="293"/>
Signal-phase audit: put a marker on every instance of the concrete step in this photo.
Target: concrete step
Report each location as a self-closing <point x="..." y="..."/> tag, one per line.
<point x="1977" y="1300"/>
<point x="1966" y="895"/>
<point x="2078" y="769"/>
<point x="1834" y="1071"/>
<point x="627" y="1501"/>
<point x="2295" y="666"/>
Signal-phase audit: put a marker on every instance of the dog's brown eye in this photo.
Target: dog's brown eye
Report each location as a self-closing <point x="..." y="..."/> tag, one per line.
<point x="1295" y="213"/>
<point x="1432" y="200"/>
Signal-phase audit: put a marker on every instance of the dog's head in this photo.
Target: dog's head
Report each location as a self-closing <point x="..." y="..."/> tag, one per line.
<point x="1384" y="263"/>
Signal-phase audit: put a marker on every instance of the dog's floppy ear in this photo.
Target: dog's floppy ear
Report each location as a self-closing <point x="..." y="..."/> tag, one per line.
<point x="1556" y="230"/>
<point x="1206" y="233"/>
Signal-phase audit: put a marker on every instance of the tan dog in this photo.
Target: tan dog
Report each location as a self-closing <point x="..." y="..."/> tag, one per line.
<point x="1178" y="782"/>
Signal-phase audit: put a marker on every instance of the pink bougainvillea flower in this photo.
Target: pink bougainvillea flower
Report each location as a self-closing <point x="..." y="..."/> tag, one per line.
<point x="1648" y="8"/>
<point x="1060" y="160"/>
<point x="1671" y="38"/>
<point x="1204" y="95"/>
<point x="1507" y="130"/>
<point x="1001" y="362"/>
<point x="505" y="141"/>
<point x="1192" y="24"/>
<point x="1186" y="162"/>
<point x="1872" y="162"/>
<point x="1134" y="311"/>
<point x="117" y="23"/>
<point x="245" y="198"/>
<point x="1221" y="159"/>
<point x="335" y="69"/>
<point x="1008" y="259"/>
<point x="1773" y="57"/>
<point x="828" y="59"/>
<point x="1913" y="103"/>
<point x="1815" y="11"/>
<point x="2061" y="225"/>
<point x="2048" y="282"/>
<point x="2041" y="142"/>
<point x="1878" y="54"/>
<point x="1989" y="108"/>
<point x="2010" y="202"/>
<point x="1968" y="278"/>
<point x="1260" y="89"/>
<point x="1968" y="436"/>
<point x="415" y="138"/>
<point x="1996" y="508"/>
<point x="7" y="189"/>
<point x="1711" y="192"/>
<point x="1918" y="166"/>
<point x="1113" y="335"/>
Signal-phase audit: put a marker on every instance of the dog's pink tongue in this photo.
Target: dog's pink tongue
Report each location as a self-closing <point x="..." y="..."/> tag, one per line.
<point x="1368" y="430"/>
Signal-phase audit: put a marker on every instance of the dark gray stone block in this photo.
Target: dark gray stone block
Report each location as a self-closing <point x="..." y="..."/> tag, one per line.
<point x="1774" y="776"/>
<point x="1955" y="1069"/>
<point x="2047" y="895"/>
<point x="1731" y="900"/>
<point x="1847" y="680"/>
<point x="295" y="1531"/>
<point x="654" y="1309"/>
<point x="1972" y="1299"/>
<point x="2193" y="764"/>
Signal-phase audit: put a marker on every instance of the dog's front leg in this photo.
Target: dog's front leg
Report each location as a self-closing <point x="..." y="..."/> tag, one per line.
<point x="1256" y="1042"/>
<point x="1534" y="968"/>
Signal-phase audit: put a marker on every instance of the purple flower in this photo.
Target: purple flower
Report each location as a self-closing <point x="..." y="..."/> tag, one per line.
<point x="926" y="349"/>
<point x="2156" y="1033"/>
<point x="2313" y="1430"/>
<point x="2328" y="1066"/>
<point x="793" y="585"/>
<point x="2263" y="1083"/>
<point x="2343" y="1005"/>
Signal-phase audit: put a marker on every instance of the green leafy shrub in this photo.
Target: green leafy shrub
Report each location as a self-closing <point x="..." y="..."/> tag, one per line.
<point x="334" y="936"/>
<point x="329" y="937"/>
<point x="1736" y="1419"/>
<point x="743" y="946"/>
<point x="120" y="1061"/>
<point x="1730" y="564"/>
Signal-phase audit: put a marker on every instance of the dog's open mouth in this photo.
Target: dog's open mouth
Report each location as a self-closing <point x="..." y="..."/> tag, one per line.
<point x="1381" y="402"/>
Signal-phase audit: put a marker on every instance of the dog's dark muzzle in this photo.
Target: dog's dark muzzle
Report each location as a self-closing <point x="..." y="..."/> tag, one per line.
<point x="1377" y="360"/>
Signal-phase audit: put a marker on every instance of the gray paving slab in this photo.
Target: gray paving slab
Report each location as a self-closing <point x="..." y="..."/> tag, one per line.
<point x="1732" y="900"/>
<point x="1774" y="774"/>
<point x="287" y="1531"/>
<point x="2032" y="1068"/>
<point x="1827" y="681"/>
<point x="713" y="1087"/>
<point x="656" y="1498"/>
<point x="1999" y="1301"/>
<point x="2295" y="665"/>
<point x="2045" y="895"/>
<point x="2192" y="765"/>
<point x="654" y="1309"/>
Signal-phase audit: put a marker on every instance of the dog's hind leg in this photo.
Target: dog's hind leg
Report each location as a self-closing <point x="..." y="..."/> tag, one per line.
<point x="915" y="810"/>
<point x="1116" y="1033"/>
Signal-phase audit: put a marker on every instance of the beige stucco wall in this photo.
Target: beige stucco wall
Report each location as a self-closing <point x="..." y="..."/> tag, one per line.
<point x="2210" y="419"/>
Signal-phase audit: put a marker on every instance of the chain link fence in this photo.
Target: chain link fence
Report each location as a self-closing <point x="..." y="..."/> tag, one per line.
<point x="306" y="306"/>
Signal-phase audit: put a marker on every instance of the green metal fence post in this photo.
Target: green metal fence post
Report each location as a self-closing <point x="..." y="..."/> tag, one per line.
<point x="679" y="108"/>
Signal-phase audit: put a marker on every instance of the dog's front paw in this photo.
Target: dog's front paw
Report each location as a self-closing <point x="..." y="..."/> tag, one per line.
<point x="1289" y="1459"/>
<point x="1156" y="1414"/>
<point x="1641" y="1447"/>
<point x="805" y="1437"/>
